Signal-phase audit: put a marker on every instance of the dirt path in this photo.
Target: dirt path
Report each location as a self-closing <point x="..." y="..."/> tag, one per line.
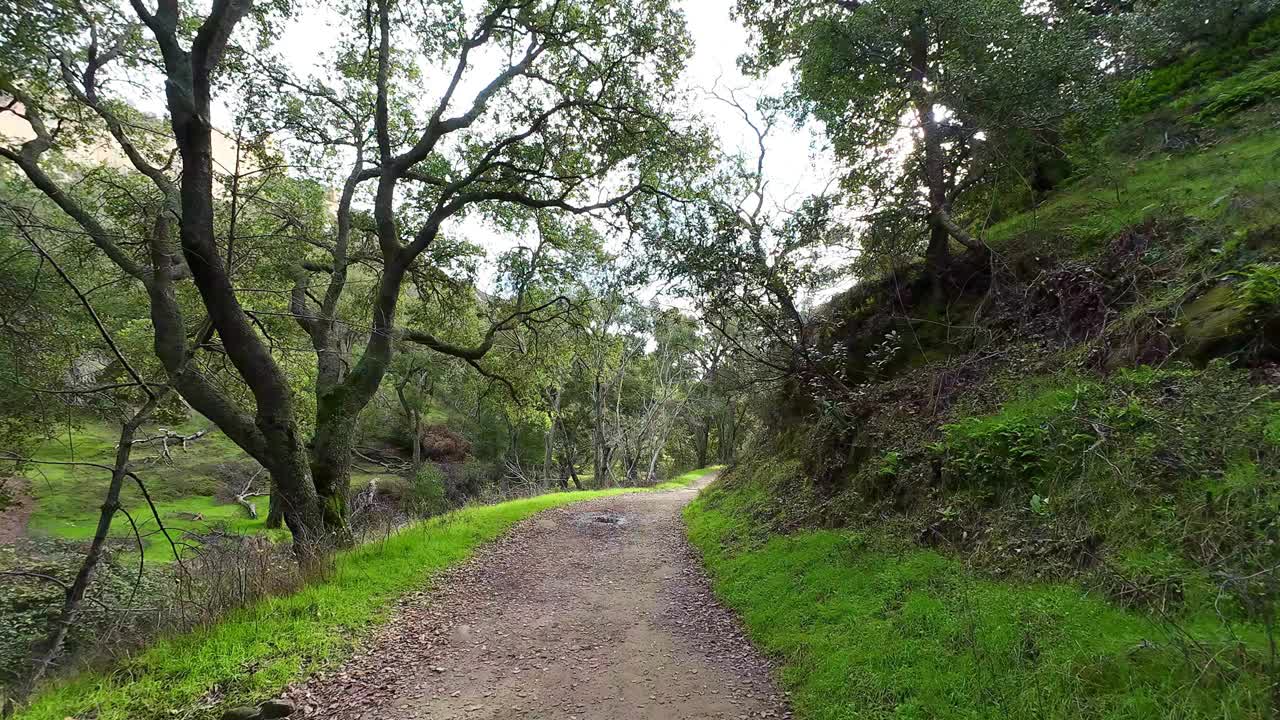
<point x="572" y="615"/>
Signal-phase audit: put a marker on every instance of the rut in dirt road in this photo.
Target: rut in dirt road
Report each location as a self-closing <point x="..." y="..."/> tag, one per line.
<point x="595" y="610"/>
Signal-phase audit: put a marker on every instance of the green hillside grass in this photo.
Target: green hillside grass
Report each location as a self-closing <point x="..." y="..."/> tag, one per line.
<point x="687" y="479"/>
<point x="1234" y="181"/>
<point x="869" y="627"/>
<point x="1018" y="518"/>
<point x="186" y="487"/>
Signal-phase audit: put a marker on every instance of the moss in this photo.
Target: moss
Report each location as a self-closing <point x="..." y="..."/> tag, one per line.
<point x="1214" y="325"/>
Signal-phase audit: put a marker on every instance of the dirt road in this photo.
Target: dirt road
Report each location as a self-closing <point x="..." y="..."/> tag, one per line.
<point x="595" y="610"/>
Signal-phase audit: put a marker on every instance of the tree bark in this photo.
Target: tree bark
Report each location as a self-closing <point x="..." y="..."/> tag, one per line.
<point x="275" y="510"/>
<point x="600" y="455"/>
<point x="549" y="437"/>
<point x="942" y="226"/>
<point x="188" y="87"/>
<point x="702" y="440"/>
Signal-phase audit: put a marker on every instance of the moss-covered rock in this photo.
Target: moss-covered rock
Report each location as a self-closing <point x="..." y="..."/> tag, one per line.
<point x="1214" y="325"/>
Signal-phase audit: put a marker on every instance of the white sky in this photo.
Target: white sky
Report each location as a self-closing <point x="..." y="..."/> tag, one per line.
<point x="796" y="165"/>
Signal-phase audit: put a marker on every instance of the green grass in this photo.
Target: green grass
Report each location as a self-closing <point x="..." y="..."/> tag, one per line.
<point x="256" y="651"/>
<point x="866" y="627"/>
<point x="686" y="479"/>
<point x="1234" y="181"/>
<point x="68" y="497"/>
<point x="1203" y="71"/>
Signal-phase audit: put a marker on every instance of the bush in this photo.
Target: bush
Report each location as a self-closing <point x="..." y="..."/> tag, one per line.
<point x="442" y="445"/>
<point x="1211" y="63"/>
<point x="1239" y="97"/>
<point x="1027" y="440"/>
<point x="29" y="605"/>
<point x="1258" y="291"/>
<point x="427" y="492"/>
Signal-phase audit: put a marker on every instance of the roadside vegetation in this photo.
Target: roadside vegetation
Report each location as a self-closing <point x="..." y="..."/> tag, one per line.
<point x="1052" y="490"/>
<point x="870" y="625"/>
<point x="253" y="652"/>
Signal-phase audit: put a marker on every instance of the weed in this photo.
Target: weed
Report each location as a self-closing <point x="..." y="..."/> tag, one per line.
<point x="1258" y="290"/>
<point x="1241" y="96"/>
<point x="1028" y="441"/>
<point x="427" y="491"/>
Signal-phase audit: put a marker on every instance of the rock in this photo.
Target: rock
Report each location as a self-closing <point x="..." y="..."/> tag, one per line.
<point x="1211" y="325"/>
<point x="274" y="709"/>
<point x="242" y="713"/>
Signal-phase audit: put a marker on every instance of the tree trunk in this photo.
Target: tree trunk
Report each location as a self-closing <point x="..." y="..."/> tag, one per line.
<point x="292" y="481"/>
<point x="187" y="89"/>
<point x="600" y="456"/>
<point x="417" y="441"/>
<point x="332" y="449"/>
<point x="938" y="254"/>
<point x="727" y="431"/>
<point x="549" y="439"/>
<point x="413" y="416"/>
<point x="275" y="510"/>
<point x="652" y="476"/>
<point x="942" y="227"/>
<point x="702" y="440"/>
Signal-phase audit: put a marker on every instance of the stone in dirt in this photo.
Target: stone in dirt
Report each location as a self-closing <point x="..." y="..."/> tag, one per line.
<point x="275" y="709"/>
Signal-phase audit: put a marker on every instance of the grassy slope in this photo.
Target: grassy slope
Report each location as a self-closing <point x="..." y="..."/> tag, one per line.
<point x="1079" y="572"/>
<point x="68" y="497"/>
<point x="258" y="650"/>
<point x="871" y="627"/>
<point x="686" y="479"/>
<point x="1197" y="184"/>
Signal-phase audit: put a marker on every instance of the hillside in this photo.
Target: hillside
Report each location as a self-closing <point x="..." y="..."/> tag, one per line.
<point x="1055" y="493"/>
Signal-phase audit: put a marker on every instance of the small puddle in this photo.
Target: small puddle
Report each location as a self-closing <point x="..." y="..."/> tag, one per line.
<point x="606" y="519"/>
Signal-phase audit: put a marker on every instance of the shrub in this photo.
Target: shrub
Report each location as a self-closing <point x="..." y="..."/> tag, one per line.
<point x="427" y="493"/>
<point x="1272" y="430"/>
<point x="442" y="445"/>
<point x="1156" y="88"/>
<point x="1026" y="440"/>
<point x="1239" y="97"/>
<point x="1258" y="291"/>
